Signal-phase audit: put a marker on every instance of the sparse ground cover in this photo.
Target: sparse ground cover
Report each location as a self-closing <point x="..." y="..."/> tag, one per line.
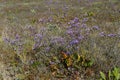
<point x="60" y="40"/>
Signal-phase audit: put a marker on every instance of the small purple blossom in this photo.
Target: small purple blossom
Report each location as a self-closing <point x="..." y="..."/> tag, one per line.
<point x="75" y="25"/>
<point x="96" y="27"/>
<point x="102" y="34"/>
<point x="70" y="31"/>
<point x="13" y="42"/>
<point x="87" y="31"/>
<point x="75" y="41"/>
<point x="111" y="35"/>
<point x="38" y="37"/>
<point x="17" y="37"/>
<point x="6" y="40"/>
<point x="76" y="20"/>
<point x="80" y="37"/>
<point x="84" y="20"/>
<point x="68" y="52"/>
<point x="41" y="20"/>
<point x="83" y="25"/>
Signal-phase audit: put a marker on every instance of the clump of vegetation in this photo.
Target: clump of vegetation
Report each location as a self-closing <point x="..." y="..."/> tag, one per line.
<point x="112" y="75"/>
<point x="73" y="42"/>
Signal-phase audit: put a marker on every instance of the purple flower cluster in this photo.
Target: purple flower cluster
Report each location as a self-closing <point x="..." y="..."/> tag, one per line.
<point x="74" y="22"/>
<point x="16" y="43"/>
<point x="83" y="25"/>
<point x="102" y="34"/>
<point x="37" y="40"/>
<point x="80" y="37"/>
<point x="6" y="40"/>
<point x="75" y="41"/>
<point x="74" y="31"/>
<point x="78" y="31"/>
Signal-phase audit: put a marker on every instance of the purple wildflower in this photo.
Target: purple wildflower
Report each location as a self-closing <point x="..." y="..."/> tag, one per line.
<point x="38" y="37"/>
<point x="13" y="42"/>
<point x="84" y="20"/>
<point x="69" y="46"/>
<point x="76" y="20"/>
<point x="17" y="37"/>
<point x="75" y="41"/>
<point x="68" y="52"/>
<point x="70" y="31"/>
<point x="87" y="31"/>
<point x="6" y="40"/>
<point x="80" y="37"/>
<point x="102" y="34"/>
<point x="41" y="20"/>
<point x="111" y="35"/>
<point x="75" y="25"/>
<point x="96" y="27"/>
<point x="83" y="25"/>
